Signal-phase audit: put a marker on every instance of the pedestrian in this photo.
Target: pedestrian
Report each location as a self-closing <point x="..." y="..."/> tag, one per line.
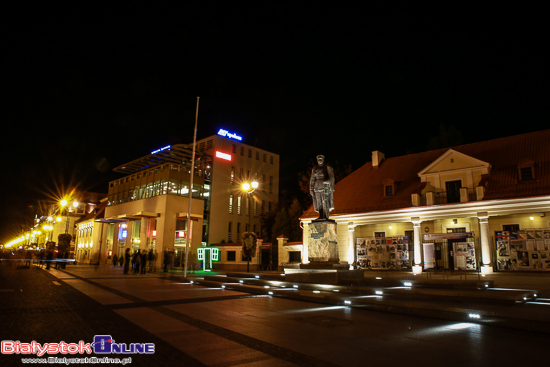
<point x="115" y="260"/>
<point x="151" y="259"/>
<point x="49" y="258"/>
<point x="166" y="259"/>
<point x="42" y="255"/>
<point x="137" y="261"/>
<point x="143" y="262"/>
<point x="126" y="261"/>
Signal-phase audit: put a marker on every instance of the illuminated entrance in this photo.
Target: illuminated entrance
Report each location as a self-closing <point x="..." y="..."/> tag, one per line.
<point x="207" y="255"/>
<point x="453" y="251"/>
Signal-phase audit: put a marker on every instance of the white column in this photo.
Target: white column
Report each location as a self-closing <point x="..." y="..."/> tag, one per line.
<point x="351" y="244"/>
<point x="305" y="241"/>
<point x="417" y="262"/>
<point x="486" y="267"/>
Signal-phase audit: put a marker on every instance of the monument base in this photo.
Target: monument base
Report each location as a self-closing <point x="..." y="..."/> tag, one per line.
<point x="323" y="242"/>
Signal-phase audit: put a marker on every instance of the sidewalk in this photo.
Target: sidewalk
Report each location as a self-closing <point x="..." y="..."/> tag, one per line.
<point x="499" y="299"/>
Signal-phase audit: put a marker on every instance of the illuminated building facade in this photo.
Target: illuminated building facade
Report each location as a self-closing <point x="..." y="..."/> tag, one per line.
<point x="148" y="208"/>
<point x="482" y="206"/>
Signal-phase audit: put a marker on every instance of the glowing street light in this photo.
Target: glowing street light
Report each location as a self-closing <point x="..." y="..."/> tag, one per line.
<point x="249" y="188"/>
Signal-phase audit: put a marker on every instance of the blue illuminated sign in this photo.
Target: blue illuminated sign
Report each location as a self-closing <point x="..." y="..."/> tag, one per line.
<point x="161" y="149"/>
<point x="229" y="135"/>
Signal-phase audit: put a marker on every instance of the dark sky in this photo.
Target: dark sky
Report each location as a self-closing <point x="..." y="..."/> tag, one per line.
<point x="87" y="89"/>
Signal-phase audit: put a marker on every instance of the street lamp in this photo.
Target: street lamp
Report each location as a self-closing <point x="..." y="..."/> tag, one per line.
<point x="249" y="188"/>
<point x="63" y="203"/>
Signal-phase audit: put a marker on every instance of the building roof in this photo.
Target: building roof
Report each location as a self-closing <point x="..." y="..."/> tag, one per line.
<point x="169" y="154"/>
<point x="97" y="214"/>
<point x="363" y="190"/>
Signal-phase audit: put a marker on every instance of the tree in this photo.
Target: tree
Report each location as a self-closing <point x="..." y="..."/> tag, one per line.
<point x="281" y="226"/>
<point x="294" y="213"/>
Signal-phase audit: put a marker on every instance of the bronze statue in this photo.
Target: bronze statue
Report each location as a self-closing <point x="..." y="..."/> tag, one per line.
<point x="321" y="186"/>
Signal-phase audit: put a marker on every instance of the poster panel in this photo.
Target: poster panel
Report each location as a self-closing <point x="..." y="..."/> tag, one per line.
<point x="464" y="256"/>
<point x="523" y="250"/>
<point x="429" y="255"/>
<point x="383" y="253"/>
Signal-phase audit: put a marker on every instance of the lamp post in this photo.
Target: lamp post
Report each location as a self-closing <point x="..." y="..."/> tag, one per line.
<point x="63" y="203"/>
<point x="249" y="188"/>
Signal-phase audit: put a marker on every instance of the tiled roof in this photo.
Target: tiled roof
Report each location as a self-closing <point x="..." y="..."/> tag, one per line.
<point x="98" y="213"/>
<point x="363" y="190"/>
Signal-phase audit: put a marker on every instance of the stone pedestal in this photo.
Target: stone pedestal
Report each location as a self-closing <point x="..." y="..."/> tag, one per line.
<point x="323" y="242"/>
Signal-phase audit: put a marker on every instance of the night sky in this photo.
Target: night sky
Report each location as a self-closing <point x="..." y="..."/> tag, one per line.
<point x="87" y="89"/>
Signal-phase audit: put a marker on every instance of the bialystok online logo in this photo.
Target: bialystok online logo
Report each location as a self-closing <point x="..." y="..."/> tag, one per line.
<point x="102" y="344"/>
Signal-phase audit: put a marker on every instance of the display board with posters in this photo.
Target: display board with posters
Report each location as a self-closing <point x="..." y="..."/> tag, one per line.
<point x="464" y="256"/>
<point x="523" y="250"/>
<point x="383" y="253"/>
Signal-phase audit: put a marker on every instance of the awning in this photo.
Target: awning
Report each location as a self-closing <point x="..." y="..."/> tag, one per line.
<point x="195" y="217"/>
<point x="138" y="215"/>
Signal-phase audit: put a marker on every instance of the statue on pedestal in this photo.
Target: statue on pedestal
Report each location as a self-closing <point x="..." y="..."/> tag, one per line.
<point x="321" y="187"/>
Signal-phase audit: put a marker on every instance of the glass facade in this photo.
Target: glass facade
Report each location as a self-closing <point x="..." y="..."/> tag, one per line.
<point x="168" y="179"/>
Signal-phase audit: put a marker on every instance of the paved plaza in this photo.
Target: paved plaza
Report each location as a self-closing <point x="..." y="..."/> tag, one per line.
<point x="194" y="325"/>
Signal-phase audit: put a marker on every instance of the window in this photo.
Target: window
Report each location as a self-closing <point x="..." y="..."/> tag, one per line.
<point x="238" y="232"/>
<point x="526" y="173"/>
<point x="265" y="157"/>
<point x="453" y="191"/>
<point x="229" y="230"/>
<point x="231" y="256"/>
<point x="257" y="156"/>
<point x="234" y="149"/>
<point x="526" y="170"/>
<point x="271" y="159"/>
<point x="271" y="184"/>
<point x="239" y="201"/>
<point x="136" y="229"/>
<point x="389" y="187"/>
<point x="410" y="238"/>
<point x="456" y="230"/>
<point x="242" y="151"/>
<point x="510" y="227"/>
<point x="379" y="234"/>
<point x="230" y="203"/>
<point x="232" y="175"/>
<point x="249" y="153"/>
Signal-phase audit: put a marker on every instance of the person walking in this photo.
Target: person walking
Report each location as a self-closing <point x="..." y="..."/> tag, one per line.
<point x="143" y="262"/>
<point x="137" y="257"/>
<point x="151" y="259"/>
<point x="126" y="261"/>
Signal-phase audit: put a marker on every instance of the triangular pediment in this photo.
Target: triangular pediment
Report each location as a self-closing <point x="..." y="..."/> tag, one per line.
<point x="453" y="160"/>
